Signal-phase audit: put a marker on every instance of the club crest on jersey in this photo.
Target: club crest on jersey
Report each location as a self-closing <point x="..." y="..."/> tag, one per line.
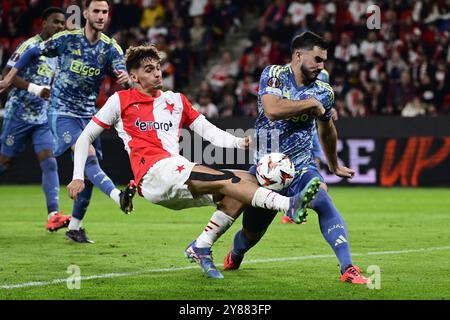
<point x="274" y="82"/>
<point x="10" y="141"/>
<point x="67" y="137"/>
<point x="153" y="125"/>
<point x="101" y="59"/>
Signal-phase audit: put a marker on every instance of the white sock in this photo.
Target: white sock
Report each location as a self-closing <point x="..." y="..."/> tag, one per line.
<point x="217" y="225"/>
<point x="51" y="214"/>
<point x="115" y="195"/>
<point x="268" y="199"/>
<point x="74" y="224"/>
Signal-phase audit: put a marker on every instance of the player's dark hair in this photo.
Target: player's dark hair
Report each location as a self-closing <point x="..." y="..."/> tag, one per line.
<point x="135" y="55"/>
<point x="308" y="40"/>
<point x="88" y="2"/>
<point x="51" y="10"/>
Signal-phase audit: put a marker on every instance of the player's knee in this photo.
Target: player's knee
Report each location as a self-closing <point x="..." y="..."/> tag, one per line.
<point x="49" y="164"/>
<point x="42" y="155"/>
<point x="91" y="160"/>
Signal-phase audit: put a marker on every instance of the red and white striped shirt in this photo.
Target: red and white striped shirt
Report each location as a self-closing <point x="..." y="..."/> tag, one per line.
<point x="149" y="126"/>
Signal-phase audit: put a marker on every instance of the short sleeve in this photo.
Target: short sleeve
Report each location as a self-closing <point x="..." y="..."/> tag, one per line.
<point x="189" y="112"/>
<point x="109" y="114"/>
<point x="54" y="46"/>
<point x="326" y="97"/>
<point x="269" y="83"/>
<point x="117" y="60"/>
<point x="19" y="51"/>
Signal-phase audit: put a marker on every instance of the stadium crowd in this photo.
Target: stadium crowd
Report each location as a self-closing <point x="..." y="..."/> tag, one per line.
<point x="400" y="69"/>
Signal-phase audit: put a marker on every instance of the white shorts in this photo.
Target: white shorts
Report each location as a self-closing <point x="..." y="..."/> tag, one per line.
<point x="164" y="184"/>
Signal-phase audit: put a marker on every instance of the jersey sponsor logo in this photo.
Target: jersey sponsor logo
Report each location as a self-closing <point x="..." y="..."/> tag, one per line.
<point x="153" y="125"/>
<point x="45" y="71"/>
<point x="274" y="82"/>
<point x="79" y="67"/>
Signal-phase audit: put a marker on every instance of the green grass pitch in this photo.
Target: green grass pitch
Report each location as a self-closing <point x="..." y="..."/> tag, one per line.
<point x="404" y="232"/>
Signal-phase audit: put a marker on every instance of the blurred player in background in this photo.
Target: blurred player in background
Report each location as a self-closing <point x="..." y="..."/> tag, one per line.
<point x="283" y="89"/>
<point x="85" y="56"/>
<point x="26" y="115"/>
<point x="149" y="121"/>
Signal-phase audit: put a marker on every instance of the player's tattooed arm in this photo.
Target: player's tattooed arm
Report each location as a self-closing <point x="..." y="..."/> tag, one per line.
<point x="328" y="137"/>
<point x="276" y="108"/>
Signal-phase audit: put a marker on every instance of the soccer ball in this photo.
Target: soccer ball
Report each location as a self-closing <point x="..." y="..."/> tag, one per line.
<point x="275" y="171"/>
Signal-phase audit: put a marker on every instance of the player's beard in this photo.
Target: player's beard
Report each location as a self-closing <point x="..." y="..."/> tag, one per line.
<point x="92" y="25"/>
<point x="308" y="75"/>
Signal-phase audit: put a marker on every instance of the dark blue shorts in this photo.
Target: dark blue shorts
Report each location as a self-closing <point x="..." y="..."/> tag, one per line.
<point x="66" y="131"/>
<point x="256" y="220"/>
<point x="16" y="132"/>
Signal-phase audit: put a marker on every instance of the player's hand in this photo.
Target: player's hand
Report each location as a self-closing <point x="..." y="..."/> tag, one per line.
<point x="74" y="188"/>
<point x="45" y="93"/>
<point x="334" y="114"/>
<point x="318" y="109"/>
<point x="245" y="143"/>
<point x="122" y="77"/>
<point x="344" y="172"/>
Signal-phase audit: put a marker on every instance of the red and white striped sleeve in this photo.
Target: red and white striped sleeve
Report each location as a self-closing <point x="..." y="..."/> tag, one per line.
<point x="189" y="112"/>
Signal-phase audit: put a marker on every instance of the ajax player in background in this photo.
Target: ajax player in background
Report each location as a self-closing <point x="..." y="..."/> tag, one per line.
<point x="26" y="115"/>
<point x="148" y="121"/>
<point x="85" y="56"/>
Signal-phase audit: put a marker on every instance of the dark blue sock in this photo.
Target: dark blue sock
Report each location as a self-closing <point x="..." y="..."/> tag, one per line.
<point x="3" y="168"/>
<point x="242" y="244"/>
<point x="333" y="227"/>
<point x="50" y="183"/>
<point x="80" y="205"/>
<point x="96" y="175"/>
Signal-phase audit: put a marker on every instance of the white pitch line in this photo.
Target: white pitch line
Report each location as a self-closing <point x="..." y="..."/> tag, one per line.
<point x="137" y="273"/>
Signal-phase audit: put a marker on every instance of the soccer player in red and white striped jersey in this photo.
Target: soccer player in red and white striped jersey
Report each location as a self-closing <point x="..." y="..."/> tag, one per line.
<point x="149" y="120"/>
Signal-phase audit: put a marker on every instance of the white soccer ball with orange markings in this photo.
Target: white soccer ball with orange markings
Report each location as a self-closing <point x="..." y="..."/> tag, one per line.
<point x="275" y="171"/>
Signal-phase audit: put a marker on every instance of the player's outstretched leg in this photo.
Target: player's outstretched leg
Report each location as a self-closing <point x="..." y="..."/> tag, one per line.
<point x="126" y="197"/>
<point x="334" y="231"/>
<point x="298" y="203"/>
<point x="203" y="256"/>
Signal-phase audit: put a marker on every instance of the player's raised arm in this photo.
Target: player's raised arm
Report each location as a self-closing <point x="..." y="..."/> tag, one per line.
<point x="275" y="106"/>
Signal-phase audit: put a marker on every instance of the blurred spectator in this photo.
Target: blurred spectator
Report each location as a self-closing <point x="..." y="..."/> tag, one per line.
<point x="414" y="108"/>
<point x="125" y="15"/>
<point x="370" y="46"/>
<point x="206" y="107"/>
<point x="157" y="30"/>
<point x="345" y="50"/>
<point x="299" y="10"/>
<point x="224" y="68"/>
<point x="151" y="12"/>
<point x="168" y="72"/>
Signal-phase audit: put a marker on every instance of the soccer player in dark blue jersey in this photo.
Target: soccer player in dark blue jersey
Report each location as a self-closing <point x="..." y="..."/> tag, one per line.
<point x="284" y="93"/>
<point x="26" y="115"/>
<point x="85" y="56"/>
